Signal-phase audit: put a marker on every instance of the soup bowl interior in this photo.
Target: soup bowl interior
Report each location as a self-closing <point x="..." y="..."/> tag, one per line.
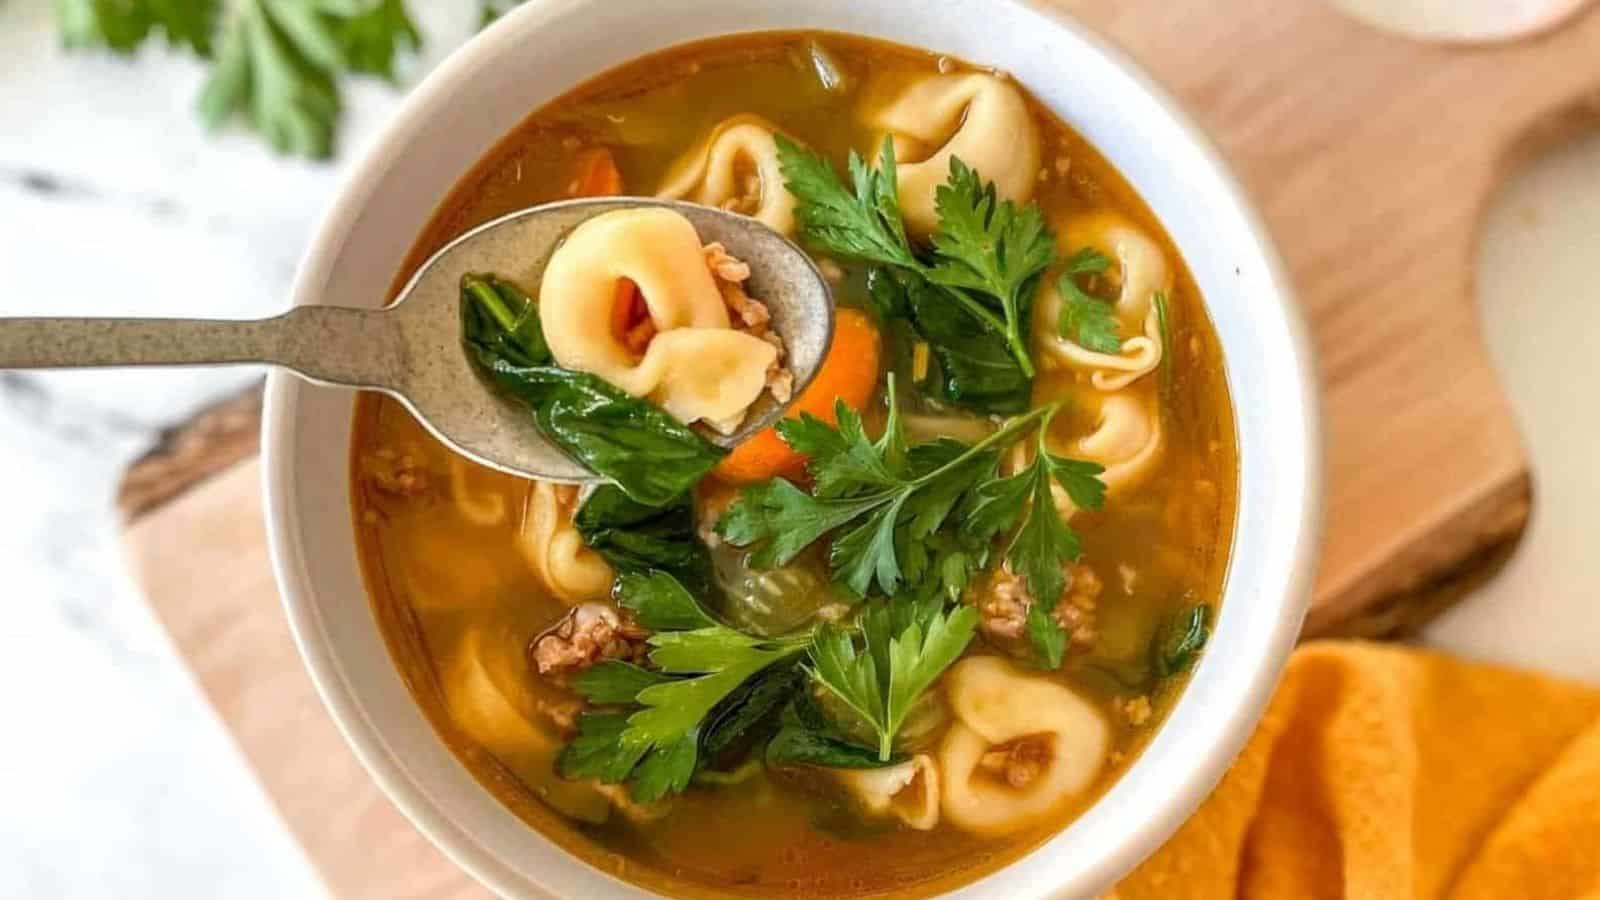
<point x="544" y="48"/>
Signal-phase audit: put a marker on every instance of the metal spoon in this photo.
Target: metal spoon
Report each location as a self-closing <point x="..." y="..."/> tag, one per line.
<point x="411" y="350"/>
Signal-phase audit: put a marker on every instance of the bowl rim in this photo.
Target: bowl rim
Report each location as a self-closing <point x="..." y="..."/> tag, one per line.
<point x="1191" y="787"/>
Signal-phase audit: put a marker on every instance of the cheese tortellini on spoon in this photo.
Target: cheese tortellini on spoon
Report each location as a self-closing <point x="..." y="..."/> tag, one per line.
<point x="978" y="118"/>
<point x="1141" y="272"/>
<point x="1020" y="748"/>
<point x="696" y="367"/>
<point x="736" y="168"/>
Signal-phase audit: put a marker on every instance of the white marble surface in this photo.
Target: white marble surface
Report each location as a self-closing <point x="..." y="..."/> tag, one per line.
<point x="115" y="780"/>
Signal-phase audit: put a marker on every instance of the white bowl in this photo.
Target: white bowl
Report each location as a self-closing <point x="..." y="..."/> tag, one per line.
<point x="542" y="49"/>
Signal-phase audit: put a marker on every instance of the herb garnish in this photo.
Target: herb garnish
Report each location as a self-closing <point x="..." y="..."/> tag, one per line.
<point x="1043" y="540"/>
<point x="807" y="738"/>
<point x="1085" y="318"/>
<point x="985" y="252"/>
<point x="650" y="455"/>
<point x="906" y="644"/>
<point x="638" y="537"/>
<point x="884" y="499"/>
<point x="655" y="745"/>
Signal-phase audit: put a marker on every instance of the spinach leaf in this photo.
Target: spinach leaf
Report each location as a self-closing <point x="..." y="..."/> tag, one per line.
<point x="702" y="673"/>
<point x="637" y="537"/>
<point x="1178" y="641"/>
<point x="648" y="454"/>
<point x="807" y="738"/>
<point x="976" y="368"/>
<point x="738" y="719"/>
<point x="499" y="319"/>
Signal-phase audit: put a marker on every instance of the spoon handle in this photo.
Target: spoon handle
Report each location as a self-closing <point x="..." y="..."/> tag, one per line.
<point x="339" y="345"/>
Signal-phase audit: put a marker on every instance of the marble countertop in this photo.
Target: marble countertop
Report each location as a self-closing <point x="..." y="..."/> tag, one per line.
<point x="116" y="778"/>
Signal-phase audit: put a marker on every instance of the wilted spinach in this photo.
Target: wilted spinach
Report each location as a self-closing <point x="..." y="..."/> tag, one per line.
<point x="648" y="454"/>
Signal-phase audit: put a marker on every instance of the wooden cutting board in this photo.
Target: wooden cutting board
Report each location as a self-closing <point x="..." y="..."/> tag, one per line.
<point x="1371" y="158"/>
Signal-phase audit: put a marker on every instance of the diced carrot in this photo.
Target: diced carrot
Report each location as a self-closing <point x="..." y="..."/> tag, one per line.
<point x="849" y="372"/>
<point x="625" y="311"/>
<point x="595" y="174"/>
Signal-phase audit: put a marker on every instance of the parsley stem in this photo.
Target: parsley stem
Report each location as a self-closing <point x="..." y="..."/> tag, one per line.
<point x="489" y="299"/>
<point x="1007" y="330"/>
<point x="1013" y="428"/>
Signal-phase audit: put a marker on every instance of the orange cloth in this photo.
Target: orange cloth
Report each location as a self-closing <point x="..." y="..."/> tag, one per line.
<point x="1384" y="772"/>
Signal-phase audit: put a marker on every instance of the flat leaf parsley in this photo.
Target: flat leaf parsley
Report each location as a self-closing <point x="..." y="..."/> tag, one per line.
<point x="985" y="252"/>
<point x="654" y="743"/>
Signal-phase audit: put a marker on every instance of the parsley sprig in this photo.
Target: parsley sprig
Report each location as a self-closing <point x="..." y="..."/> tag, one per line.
<point x="653" y="744"/>
<point x="1085" y="318"/>
<point x="880" y="499"/>
<point x="985" y="252"/>
<point x="905" y="645"/>
<point x="276" y="63"/>
<point x="1043" y="540"/>
<point x="890" y="509"/>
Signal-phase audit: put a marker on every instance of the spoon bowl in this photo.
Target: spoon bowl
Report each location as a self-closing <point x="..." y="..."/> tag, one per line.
<point x="489" y="428"/>
<point x="412" y="349"/>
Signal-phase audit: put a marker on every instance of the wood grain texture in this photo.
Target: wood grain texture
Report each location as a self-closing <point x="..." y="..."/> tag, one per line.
<point x="202" y="562"/>
<point x="1372" y="157"/>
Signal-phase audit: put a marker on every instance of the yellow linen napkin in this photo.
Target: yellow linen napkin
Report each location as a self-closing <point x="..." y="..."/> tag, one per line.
<point x="1385" y="772"/>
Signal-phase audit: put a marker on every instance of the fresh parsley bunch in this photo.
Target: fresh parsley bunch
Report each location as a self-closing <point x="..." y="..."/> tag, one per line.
<point x="277" y="64"/>
<point x="710" y="687"/>
<point x="982" y="260"/>
<point x="653" y="742"/>
<point x="890" y="510"/>
<point x="904" y="645"/>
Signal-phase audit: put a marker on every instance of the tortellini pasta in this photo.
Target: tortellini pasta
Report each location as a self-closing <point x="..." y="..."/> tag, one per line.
<point x="554" y="549"/>
<point x="483" y="508"/>
<point x="1127" y="440"/>
<point x="486" y="691"/>
<point x="696" y="367"/>
<point x="1000" y="711"/>
<point x="908" y="791"/>
<point x="735" y="167"/>
<point x="1142" y="273"/>
<point x="978" y="118"/>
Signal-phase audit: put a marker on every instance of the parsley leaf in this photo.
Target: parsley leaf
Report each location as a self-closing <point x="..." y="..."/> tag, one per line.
<point x="1085" y="318"/>
<point x="884" y="500"/>
<point x="906" y="644"/>
<point x="122" y="25"/>
<point x="981" y="246"/>
<point x="989" y="246"/>
<point x="1043" y="540"/>
<point x="700" y="664"/>
<point x="807" y="738"/>
<point x="866" y="226"/>
<point x="976" y="368"/>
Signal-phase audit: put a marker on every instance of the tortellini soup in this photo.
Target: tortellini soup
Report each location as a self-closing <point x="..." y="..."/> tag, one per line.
<point x="901" y="639"/>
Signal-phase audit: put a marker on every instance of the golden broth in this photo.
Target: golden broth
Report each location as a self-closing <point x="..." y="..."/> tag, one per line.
<point x="442" y="573"/>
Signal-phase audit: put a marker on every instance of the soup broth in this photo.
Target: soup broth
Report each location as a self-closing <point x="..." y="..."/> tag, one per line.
<point x="460" y="596"/>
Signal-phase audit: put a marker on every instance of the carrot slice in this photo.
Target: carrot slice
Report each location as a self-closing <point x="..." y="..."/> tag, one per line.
<point x="625" y="312"/>
<point x="849" y="372"/>
<point x="595" y="174"/>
